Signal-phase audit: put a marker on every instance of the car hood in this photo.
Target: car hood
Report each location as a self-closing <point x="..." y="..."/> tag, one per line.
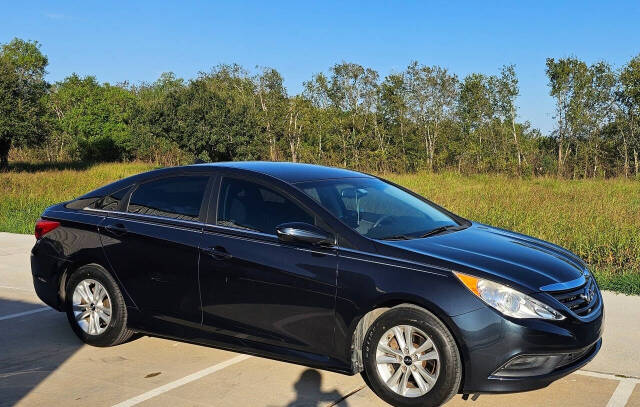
<point x="498" y="254"/>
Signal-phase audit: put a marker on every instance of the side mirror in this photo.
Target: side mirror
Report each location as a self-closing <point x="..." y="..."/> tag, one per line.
<point x="303" y="233"/>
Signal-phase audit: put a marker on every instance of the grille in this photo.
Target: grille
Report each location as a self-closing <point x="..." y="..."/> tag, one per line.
<point x="580" y="300"/>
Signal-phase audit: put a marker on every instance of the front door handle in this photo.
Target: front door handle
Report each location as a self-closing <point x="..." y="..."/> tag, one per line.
<point x="117" y="229"/>
<point x="218" y="253"/>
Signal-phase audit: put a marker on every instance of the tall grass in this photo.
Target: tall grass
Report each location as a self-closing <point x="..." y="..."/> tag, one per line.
<point x="26" y="190"/>
<point x="597" y="219"/>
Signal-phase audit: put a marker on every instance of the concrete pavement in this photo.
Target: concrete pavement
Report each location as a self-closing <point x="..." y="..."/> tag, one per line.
<point x="42" y="362"/>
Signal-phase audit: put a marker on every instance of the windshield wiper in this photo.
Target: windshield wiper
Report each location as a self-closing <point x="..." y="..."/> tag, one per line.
<point x="439" y="230"/>
<point x="432" y="232"/>
<point x="396" y="237"/>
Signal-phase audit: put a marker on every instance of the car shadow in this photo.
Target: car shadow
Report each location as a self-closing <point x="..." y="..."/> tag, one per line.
<point x="32" y="346"/>
<point x="35" y="345"/>
<point x="309" y="391"/>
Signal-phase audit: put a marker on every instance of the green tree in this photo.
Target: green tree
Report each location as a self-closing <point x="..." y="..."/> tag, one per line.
<point x="325" y="123"/>
<point x="394" y="105"/>
<point x="299" y="114"/>
<point x="155" y="122"/>
<point x="475" y="111"/>
<point x="22" y="93"/>
<point x="95" y="117"/>
<point x="432" y="93"/>
<point x="218" y="116"/>
<point x="569" y="82"/>
<point x="272" y="96"/>
<point x="628" y="97"/>
<point x="353" y="90"/>
<point x="506" y="86"/>
<point x="600" y="111"/>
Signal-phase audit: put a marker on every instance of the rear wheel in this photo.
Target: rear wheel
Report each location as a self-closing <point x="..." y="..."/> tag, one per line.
<point x="411" y="358"/>
<point x="95" y="307"/>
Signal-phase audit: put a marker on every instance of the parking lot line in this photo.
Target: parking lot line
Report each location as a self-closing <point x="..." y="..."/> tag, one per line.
<point x="180" y="382"/>
<point x="607" y="376"/>
<point x="622" y="393"/>
<point x="21" y="314"/>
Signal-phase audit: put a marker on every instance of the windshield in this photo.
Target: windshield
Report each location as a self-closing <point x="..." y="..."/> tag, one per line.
<point x="376" y="209"/>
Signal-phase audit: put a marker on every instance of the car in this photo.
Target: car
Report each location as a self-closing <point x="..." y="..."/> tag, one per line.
<point x="324" y="267"/>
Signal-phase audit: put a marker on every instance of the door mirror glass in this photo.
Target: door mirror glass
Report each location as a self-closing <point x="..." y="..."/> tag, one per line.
<point x="303" y="233"/>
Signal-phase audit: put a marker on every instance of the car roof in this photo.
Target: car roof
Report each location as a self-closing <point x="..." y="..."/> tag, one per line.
<point x="288" y="171"/>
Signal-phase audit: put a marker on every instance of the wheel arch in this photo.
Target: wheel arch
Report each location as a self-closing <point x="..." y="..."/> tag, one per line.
<point x="72" y="267"/>
<point x="369" y="317"/>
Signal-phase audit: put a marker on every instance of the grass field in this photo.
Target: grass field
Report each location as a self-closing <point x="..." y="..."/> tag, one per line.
<point x="597" y="219"/>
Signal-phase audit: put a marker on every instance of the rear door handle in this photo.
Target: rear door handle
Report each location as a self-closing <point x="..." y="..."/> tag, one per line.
<point x="117" y="229"/>
<point x="218" y="253"/>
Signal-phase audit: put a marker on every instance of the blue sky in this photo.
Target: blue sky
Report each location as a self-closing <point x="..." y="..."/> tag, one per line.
<point x="137" y="40"/>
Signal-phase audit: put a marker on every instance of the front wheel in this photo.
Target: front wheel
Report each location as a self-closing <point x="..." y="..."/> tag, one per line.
<point x="411" y="358"/>
<point x="95" y="307"/>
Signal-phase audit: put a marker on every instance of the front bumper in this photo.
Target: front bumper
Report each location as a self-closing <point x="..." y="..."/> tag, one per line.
<point x="488" y="341"/>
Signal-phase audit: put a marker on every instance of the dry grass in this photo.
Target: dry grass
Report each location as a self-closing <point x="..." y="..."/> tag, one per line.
<point x="597" y="219"/>
<point x="27" y="190"/>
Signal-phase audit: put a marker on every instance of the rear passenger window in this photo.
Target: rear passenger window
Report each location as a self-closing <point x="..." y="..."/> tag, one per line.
<point x="246" y="205"/>
<point x="105" y="203"/>
<point x="176" y="197"/>
<point x="112" y="202"/>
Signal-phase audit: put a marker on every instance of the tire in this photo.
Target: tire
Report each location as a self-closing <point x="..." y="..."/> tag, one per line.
<point x="109" y="327"/>
<point x="440" y="358"/>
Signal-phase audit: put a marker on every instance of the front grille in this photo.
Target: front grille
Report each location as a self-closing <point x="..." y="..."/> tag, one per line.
<point x="581" y="300"/>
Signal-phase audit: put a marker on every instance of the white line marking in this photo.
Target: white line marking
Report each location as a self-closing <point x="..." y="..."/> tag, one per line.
<point x="16" y="288"/>
<point x="622" y="393"/>
<point x="181" y="382"/>
<point x="607" y="376"/>
<point x="21" y="314"/>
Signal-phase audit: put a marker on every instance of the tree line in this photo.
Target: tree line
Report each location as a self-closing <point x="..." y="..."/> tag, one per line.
<point x="423" y="118"/>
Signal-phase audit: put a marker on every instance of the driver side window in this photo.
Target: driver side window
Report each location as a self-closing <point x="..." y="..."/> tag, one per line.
<point x="247" y="205"/>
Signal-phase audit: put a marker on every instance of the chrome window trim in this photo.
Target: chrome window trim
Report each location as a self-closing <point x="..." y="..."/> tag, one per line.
<point x="190" y="227"/>
<point x="149" y="217"/>
<point x="69" y="211"/>
<point x="273" y="241"/>
<point x="161" y="218"/>
<point x="253" y="232"/>
<point x="86" y="208"/>
<point x="567" y="285"/>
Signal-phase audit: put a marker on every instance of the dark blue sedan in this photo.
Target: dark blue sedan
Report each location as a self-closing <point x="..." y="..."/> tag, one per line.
<point x="324" y="267"/>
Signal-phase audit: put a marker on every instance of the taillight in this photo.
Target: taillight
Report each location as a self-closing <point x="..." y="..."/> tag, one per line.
<point x="44" y="226"/>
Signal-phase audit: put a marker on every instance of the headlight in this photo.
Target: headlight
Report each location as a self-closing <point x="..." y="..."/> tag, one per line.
<point x="507" y="300"/>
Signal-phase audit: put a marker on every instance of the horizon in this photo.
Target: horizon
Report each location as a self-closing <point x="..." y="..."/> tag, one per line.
<point x="137" y="43"/>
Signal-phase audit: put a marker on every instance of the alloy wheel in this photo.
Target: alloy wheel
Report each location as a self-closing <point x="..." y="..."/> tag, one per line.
<point x="91" y="307"/>
<point x="407" y="361"/>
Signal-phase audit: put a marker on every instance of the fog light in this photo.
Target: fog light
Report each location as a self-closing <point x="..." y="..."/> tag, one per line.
<point x="530" y="365"/>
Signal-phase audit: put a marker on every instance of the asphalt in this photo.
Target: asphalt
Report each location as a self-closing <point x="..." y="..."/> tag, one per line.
<point x="42" y="363"/>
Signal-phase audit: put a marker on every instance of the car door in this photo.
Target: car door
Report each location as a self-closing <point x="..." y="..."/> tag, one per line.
<point x="274" y="293"/>
<point x="152" y="244"/>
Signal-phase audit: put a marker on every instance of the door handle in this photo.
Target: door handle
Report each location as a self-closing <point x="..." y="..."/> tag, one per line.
<point x="218" y="253"/>
<point x="117" y="229"/>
